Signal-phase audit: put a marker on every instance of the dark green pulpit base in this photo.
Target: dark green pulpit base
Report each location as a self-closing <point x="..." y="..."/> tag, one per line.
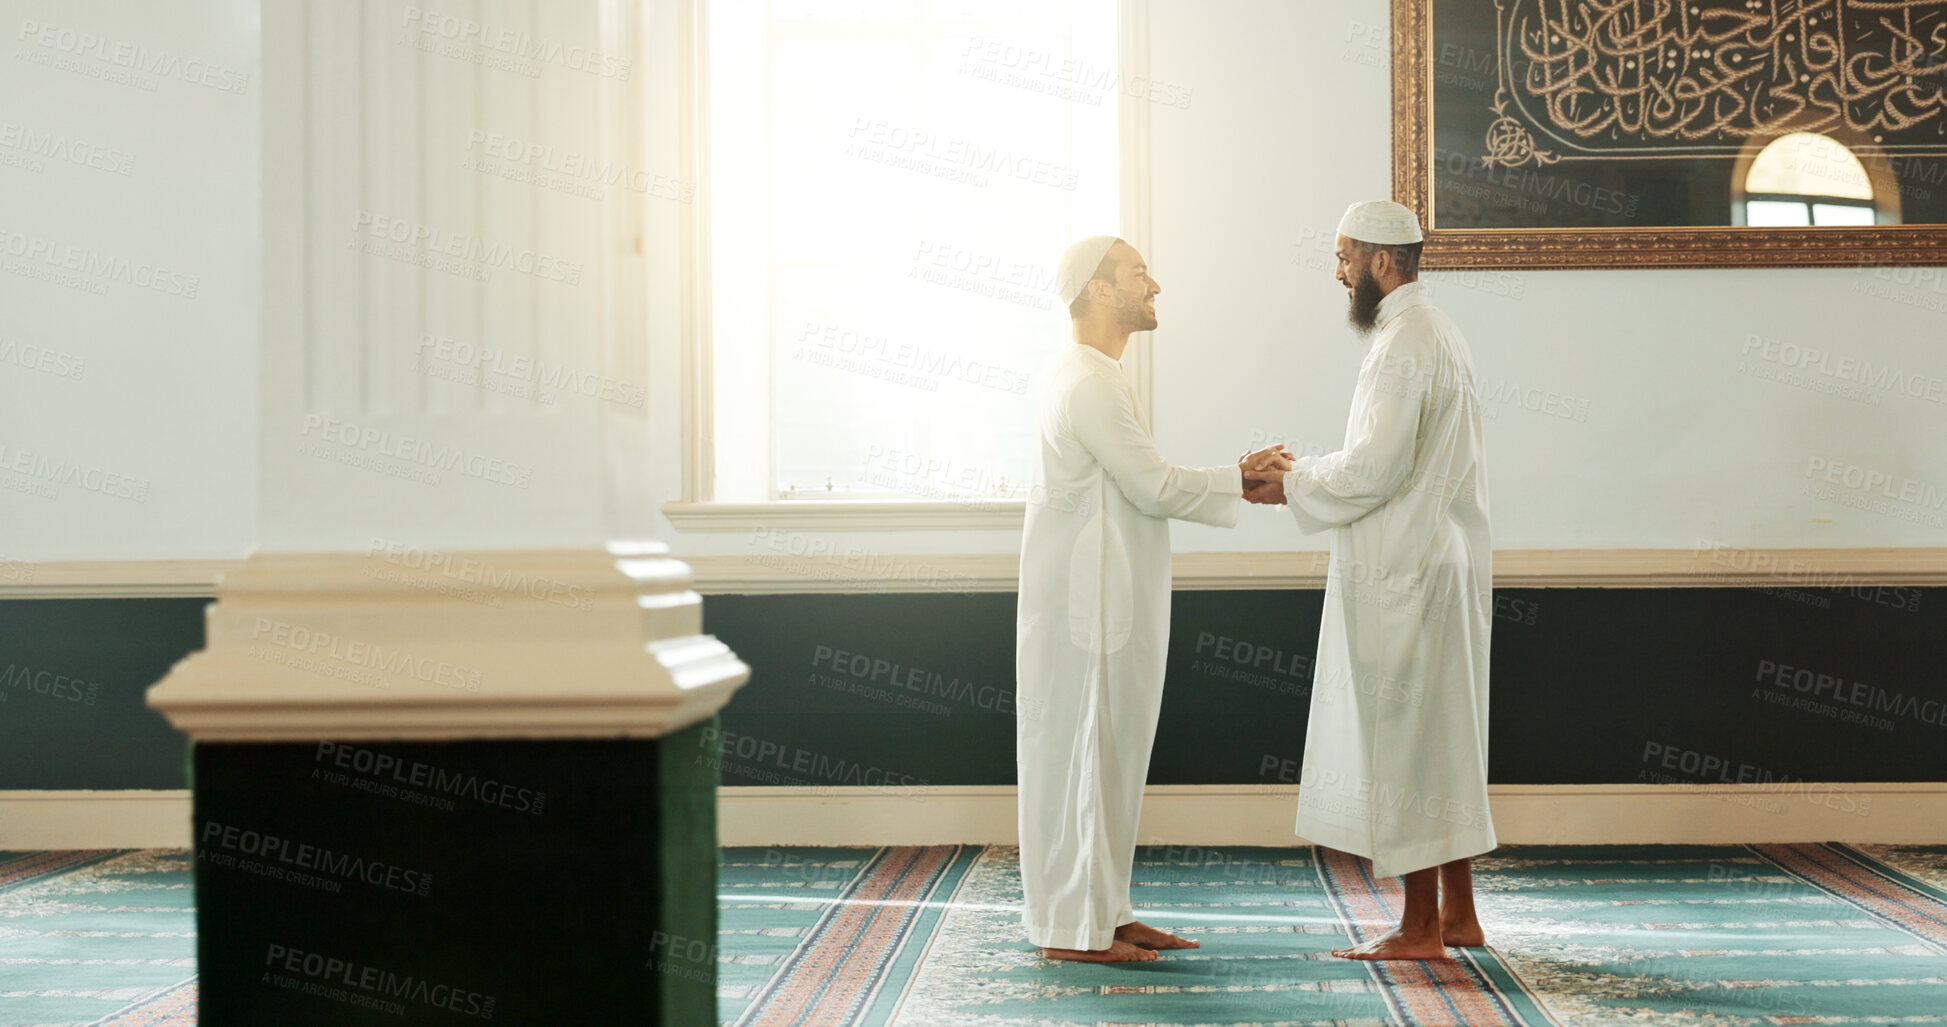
<point x="512" y="882"/>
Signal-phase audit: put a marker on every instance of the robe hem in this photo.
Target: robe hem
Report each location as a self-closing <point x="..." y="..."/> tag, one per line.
<point x="1402" y="861"/>
<point x="1087" y="939"/>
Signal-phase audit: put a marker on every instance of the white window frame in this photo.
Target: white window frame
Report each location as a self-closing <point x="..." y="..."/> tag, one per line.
<point x="697" y="509"/>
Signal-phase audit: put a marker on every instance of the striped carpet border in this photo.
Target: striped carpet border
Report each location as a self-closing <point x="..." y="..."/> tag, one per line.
<point x="1867" y="884"/>
<point x="29" y="867"/>
<point x="1475" y="989"/>
<point x="925" y="931"/>
<point x="837" y="971"/>
<point x="175" y="1007"/>
<point x="1885" y="869"/>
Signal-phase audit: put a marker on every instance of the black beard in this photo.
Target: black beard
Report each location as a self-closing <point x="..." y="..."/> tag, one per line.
<point x="1366" y="297"/>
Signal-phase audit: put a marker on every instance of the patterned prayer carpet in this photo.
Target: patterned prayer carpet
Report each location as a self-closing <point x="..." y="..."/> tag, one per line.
<point x="1638" y="935"/>
<point x="92" y="937"/>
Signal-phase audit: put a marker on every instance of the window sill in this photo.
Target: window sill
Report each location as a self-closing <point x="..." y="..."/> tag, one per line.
<point x="850" y="515"/>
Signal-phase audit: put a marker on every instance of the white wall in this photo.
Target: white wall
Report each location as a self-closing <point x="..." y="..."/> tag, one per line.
<point x="1288" y="122"/>
<point x="1665" y="438"/>
<point x="157" y="405"/>
<point x="290" y="401"/>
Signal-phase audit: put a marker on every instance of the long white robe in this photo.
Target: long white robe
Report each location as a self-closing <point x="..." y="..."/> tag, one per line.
<point x="1092" y="631"/>
<point x="1395" y="764"/>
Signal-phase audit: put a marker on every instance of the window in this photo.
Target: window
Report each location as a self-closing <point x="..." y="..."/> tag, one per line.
<point x="890" y="184"/>
<point x="1806" y="180"/>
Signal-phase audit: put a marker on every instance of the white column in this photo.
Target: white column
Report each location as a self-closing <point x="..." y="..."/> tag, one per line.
<point x="451" y="338"/>
<point x="453" y="397"/>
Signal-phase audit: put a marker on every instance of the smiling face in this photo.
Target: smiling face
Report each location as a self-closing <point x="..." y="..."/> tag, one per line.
<point x="1129" y="294"/>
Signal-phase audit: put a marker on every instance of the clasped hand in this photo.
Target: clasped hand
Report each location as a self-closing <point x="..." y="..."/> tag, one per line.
<point x="1264" y="474"/>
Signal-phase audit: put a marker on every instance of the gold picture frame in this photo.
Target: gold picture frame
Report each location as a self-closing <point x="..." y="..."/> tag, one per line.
<point x="1582" y="248"/>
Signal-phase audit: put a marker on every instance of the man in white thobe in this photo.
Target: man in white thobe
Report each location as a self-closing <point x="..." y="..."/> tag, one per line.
<point x="1094" y="617"/>
<point x="1395" y="764"/>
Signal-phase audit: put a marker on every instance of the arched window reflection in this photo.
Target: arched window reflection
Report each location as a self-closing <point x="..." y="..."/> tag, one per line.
<point x="1805" y="180"/>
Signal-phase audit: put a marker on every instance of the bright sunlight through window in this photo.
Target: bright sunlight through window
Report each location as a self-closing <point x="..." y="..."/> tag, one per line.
<point x="891" y="184"/>
<point x="1805" y="179"/>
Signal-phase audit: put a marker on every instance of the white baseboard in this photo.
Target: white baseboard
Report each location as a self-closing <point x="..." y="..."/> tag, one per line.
<point x="1263" y="814"/>
<point x="1913" y="814"/>
<point x="74" y="819"/>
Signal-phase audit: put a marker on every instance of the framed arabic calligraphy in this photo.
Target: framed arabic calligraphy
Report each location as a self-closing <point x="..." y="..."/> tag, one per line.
<point x="1672" y="133"/>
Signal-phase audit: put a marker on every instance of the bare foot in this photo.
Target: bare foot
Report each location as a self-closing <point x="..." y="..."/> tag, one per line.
<point x="1397" y="944"/>
<point x="1144" y="936"/>
<point x="1117" y="952"/>
<point x="1463" y="934"/>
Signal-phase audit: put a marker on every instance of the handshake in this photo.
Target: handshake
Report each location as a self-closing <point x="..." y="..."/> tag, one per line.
<point x="1264" y="474"/>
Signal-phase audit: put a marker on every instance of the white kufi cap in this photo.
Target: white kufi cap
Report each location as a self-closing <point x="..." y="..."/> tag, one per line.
<point x="1078" y="264"/>
<point x="1381" y="222"/>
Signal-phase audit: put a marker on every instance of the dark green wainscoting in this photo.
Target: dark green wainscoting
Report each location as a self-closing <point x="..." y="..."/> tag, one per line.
<point x="1590" y="686"/>
<point x="73" y="674"/>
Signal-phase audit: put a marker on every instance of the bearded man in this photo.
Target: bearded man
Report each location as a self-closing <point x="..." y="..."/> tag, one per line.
<point x="1395" y="764"/>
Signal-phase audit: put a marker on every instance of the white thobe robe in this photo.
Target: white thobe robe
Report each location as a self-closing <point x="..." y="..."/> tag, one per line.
<point x="1092" y="631"/>
<point x="1395" y="759"/>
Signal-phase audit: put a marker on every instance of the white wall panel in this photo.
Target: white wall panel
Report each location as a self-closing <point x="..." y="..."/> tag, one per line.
<point x="128" y="278"/>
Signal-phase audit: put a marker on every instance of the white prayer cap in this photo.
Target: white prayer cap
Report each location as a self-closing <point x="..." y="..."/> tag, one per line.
<point x="1381" y="222"/>
<point x="1078" y="264"/>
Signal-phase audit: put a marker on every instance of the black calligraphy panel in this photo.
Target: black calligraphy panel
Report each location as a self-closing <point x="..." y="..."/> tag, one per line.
<point x="1649" y="113"/>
